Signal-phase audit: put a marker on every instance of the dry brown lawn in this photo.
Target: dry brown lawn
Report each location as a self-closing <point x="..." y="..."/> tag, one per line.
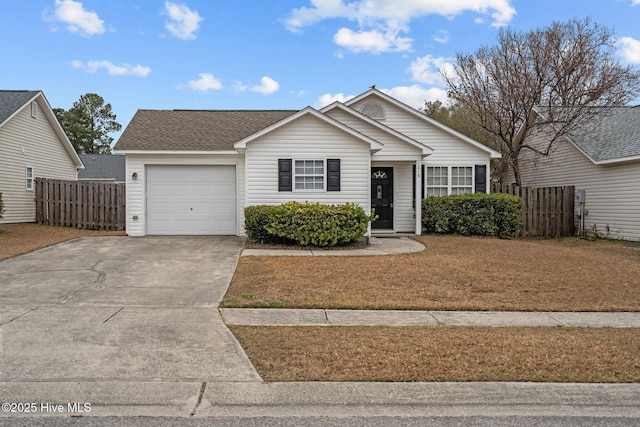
<point x="17" y="239"/>
<point x="453" y="273"/>
<point x="443" y="353"/>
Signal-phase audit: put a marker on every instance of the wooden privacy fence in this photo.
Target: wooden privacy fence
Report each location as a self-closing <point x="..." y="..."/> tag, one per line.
<point x="91" y="205"/>
<point x="547" y="211"/>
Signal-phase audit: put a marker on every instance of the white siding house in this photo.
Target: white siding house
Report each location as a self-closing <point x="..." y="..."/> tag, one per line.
<point x="32" y="145"/>
<point x="605" y="162"/>
<point x="371" y="151"/>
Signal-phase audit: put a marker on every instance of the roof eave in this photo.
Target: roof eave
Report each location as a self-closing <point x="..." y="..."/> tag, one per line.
<point x="178" y="152"/>
<point x="492" y="153"/>
<point x="374" y="145"/>
<point x="425" y="149"/>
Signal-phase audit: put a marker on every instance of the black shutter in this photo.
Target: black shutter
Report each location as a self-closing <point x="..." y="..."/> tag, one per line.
<point x="284" y="175"/>
<point x="481" y="178"/>
<point x="333" y="174"/>
<point x="421" y="182"/>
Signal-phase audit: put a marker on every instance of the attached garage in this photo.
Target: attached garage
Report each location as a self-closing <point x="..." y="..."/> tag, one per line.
<point x="191" y="200"/>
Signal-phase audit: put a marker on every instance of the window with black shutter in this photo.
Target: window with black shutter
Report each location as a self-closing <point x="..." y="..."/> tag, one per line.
<point x="284" y="175"/>
<point x="481" y="179"/>
<point x="333" y="174"/>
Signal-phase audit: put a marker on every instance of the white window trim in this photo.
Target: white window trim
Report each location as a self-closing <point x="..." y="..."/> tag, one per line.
<point x="472" y="186"/>
<point x="30" y="181"/>
<point x="312" y="190"/>
<point x="450" y="167"/>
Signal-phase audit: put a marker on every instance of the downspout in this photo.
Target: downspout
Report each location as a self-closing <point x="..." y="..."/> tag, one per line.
<point x="418" y="197"/>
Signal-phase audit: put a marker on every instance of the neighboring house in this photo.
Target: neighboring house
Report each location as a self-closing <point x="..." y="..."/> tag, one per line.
<point x="103" y="167"/>
<point x="32" y="145"/>
<point x="194" y="172"/>
<point x="604" y="160"/>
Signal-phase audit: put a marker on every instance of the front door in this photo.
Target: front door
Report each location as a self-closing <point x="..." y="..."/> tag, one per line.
<point x="382" y="197"/>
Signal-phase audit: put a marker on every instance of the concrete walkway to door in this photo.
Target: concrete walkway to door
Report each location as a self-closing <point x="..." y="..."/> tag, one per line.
<point x="136" y="313"/>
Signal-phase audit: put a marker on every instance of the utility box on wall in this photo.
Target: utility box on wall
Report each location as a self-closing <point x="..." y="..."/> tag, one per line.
<point x="580" y="195"/>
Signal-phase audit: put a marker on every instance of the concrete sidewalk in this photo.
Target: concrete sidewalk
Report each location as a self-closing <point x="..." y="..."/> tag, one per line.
<point x="322" y="317"/>
<point x="388" y="245"/>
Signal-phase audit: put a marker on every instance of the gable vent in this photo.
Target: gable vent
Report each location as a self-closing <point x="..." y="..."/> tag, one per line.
<point x="373" y="110"/>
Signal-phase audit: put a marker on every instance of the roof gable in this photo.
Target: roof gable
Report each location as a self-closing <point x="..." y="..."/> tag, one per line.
<point x="375" y="145"/>
<point x="426" y="150"/>
<point x="614" y="138"/>
<point x="14" y="101"/>
<point x="412" y="111"/>
<point x="194" y="130"/>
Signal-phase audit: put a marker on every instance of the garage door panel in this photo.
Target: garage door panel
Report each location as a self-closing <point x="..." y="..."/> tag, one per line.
<point x="191" y="200"/>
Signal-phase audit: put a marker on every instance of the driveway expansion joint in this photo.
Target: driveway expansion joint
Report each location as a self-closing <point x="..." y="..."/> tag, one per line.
<point x="203" y="387"/>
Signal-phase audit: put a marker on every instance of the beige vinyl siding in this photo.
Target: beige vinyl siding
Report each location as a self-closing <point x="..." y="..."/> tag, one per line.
<point x="136" y="192"/>
<point x="447" y="148"/>
<point x="612" y="191"/>
<point x="27" y="141"/>
<point x="394" y="148"/>
<point x="307" y="138"/>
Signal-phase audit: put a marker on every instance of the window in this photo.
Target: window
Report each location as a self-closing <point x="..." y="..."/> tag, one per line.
<point x="445" y="180"/>
<point x="309" y="175"/>
<point x="437" y="181"/>
<point x="29" y="177"/>
<point x="461" y="180"/>
<point x="34" y="109"/>
<point x="373" y="110"/>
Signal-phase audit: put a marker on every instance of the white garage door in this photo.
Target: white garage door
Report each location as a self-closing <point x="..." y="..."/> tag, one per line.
<point x="191" y="200"/>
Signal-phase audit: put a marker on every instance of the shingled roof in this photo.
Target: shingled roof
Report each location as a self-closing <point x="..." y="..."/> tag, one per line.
<point x="103" y="167"/>
<point x="616" y="135"/>
<point x="194" y="130"/>
<point x="12" y="100"/>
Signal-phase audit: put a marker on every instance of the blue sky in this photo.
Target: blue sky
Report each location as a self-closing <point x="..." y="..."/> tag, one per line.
<point x="264" y="54"/>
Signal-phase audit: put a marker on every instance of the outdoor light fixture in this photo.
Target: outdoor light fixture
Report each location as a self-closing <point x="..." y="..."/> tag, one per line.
<point x="134" y="176"/>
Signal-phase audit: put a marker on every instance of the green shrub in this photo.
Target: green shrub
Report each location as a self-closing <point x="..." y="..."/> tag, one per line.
<point x="473" y="214"/>
<point x="256" y="218"/>
<point x="1" y="206"/>
<point x="307" y="223"/>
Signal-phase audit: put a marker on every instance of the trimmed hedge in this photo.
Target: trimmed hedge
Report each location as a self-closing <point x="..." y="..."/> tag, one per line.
<point x="1" y="206"/>
<point x="473" y="214"/>
<point x="307" y="223"/>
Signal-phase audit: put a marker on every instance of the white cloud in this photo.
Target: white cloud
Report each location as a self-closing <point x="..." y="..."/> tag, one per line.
<point x="183" y="22"/>
<point x="112" y="70"/>
<point x="442" y="36"/>
<point x="629" y="48"/>
<point x="428" y="69"/>
<point x="329" y="98"/>
<point x="635" y="2"/>
<point x="205" y="83"/>
<point x="78" y="19"/>
<point x="415" y="96"/>
<point x="394" y="12"/>
<point x="267" y="86"/>
<point x="381" y="21"/>
<point x="372" y="41"/>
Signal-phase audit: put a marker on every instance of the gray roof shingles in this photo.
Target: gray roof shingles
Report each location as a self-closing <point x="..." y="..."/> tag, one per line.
<point x="194" y="130"/>
<point x="615" y="136"/>
<point x="12" y="100"/>
<point x="102" y="166"/>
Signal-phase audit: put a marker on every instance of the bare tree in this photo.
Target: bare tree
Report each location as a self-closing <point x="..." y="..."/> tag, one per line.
<point x="560" y="78"/>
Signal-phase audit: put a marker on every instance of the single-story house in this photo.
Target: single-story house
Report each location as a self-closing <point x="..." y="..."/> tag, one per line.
<point x="194" y="172"/>
<point x="604" y="160"/>
<point x="102" y="167"/>
<point x="32" y="145"/>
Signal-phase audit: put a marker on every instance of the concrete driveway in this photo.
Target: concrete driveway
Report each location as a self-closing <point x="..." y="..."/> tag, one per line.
<point x="120" y="309"/>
